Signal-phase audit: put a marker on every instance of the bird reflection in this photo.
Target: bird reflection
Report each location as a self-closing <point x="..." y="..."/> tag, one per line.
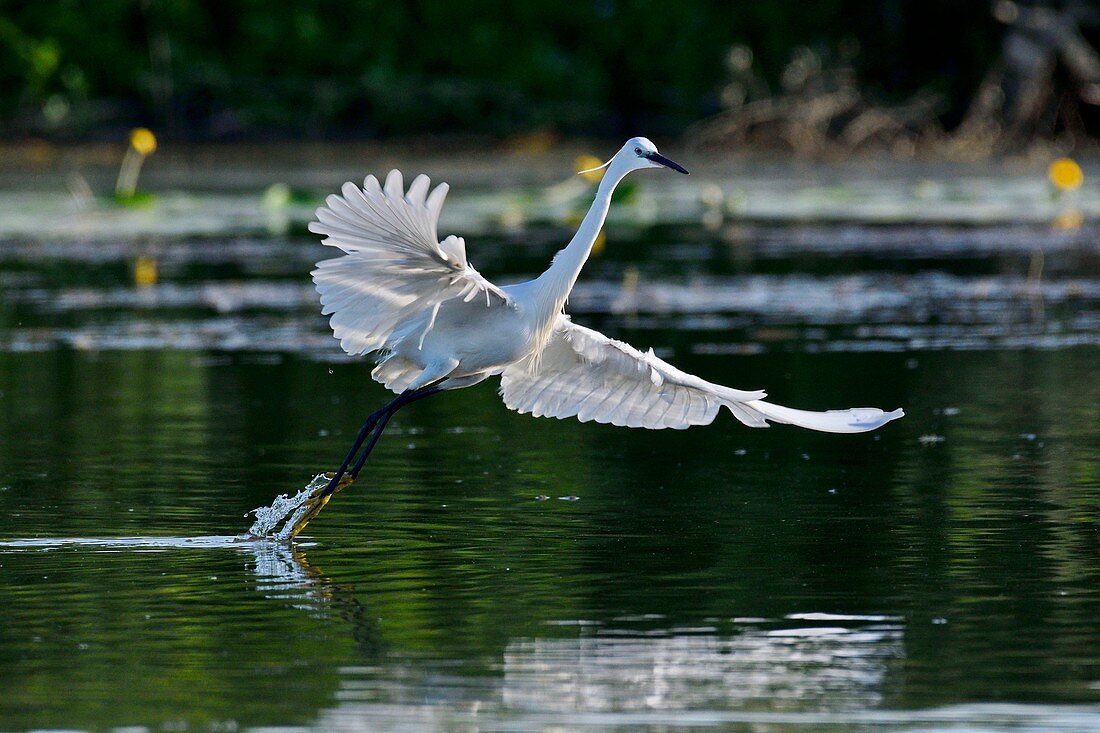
<point x="788" y="664"/>
<point x="284" y="572"/>
<point x="811" y="663"/>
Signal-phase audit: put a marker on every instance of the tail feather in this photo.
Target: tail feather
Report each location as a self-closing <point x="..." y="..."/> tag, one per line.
<point x="853" y="420"/>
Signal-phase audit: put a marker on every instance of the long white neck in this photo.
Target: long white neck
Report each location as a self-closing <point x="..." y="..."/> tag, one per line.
<point x="553" y="286"/>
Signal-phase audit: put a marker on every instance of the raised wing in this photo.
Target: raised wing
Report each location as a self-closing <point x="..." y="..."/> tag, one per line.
<point x="585" y="374"/>
<point x="394" y="268"/>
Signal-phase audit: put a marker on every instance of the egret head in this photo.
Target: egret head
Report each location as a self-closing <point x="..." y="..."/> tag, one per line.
<point x="642" y="153"/>
<point x="638" y="153"/>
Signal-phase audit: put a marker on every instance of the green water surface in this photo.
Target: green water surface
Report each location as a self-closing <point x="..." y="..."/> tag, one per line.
<point x="492" y="571"/>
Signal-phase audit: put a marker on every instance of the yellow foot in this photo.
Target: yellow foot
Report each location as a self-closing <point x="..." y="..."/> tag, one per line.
<point x="317" y="501"/>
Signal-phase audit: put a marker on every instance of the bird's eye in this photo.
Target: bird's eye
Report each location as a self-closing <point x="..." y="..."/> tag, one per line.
<point x="637" y="151"/>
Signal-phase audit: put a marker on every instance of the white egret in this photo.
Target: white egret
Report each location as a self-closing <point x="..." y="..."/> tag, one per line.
<point x="437" y="324"/>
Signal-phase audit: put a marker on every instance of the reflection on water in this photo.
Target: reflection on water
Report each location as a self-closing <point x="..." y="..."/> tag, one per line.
<point x="840" y="289"/>
<point x="939" y="575"/>
<point x="839" y="313"/>
<point x="797" y="672"/>
<point x="766" y="665"/>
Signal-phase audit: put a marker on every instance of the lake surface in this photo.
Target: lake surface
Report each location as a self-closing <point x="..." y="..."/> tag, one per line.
<point x="491" y="571"/>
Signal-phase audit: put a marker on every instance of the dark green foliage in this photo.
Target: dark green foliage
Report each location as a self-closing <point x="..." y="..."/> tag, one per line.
<point x="322" y="68"/>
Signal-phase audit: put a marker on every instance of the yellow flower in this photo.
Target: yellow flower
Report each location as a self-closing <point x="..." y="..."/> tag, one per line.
<point x="143" y="141"/>
<point x="585" y="163"/>
<point x="1065" y="174"/>
<point x="145" y="271"/>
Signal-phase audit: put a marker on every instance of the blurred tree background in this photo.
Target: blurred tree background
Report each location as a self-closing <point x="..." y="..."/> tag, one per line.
<point x="324" y="69"/>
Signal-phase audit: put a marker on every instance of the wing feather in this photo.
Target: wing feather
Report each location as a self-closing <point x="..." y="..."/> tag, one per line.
<point x="583" y="373"/>
<point x="393" y="269"/>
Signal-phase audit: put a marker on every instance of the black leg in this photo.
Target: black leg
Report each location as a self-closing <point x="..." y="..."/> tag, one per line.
<point x="376" y="422"/>
<point x="405" y="399"/>
<point x="371" y="443"/>
<point x="364" y="431"/>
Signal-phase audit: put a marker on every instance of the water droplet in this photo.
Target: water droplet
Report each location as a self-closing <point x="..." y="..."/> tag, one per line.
<point x="288" y="508"/>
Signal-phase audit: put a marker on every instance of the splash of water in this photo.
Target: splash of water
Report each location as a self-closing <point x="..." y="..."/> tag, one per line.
<point x="278" y="520"/>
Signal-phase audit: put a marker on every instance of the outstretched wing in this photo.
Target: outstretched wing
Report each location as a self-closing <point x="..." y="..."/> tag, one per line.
<point x="394" y="268"/>
<point x="580" y="372"/>
<point x="585" y="374"/>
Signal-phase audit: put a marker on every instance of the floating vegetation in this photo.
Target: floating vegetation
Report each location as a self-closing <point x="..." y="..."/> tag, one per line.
<point x="986" y="195"/>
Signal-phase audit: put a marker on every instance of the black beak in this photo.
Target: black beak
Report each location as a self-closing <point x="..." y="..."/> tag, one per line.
<point x="658" y="158"/>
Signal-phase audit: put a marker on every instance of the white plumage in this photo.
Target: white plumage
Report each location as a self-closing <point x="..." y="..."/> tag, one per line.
<point x="394" y="268"/>
<point x="585" y="374"/>
<point x="436" y="322"/>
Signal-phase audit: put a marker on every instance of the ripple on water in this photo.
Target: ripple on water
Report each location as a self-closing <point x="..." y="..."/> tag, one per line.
<point x="869" y="312"/>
